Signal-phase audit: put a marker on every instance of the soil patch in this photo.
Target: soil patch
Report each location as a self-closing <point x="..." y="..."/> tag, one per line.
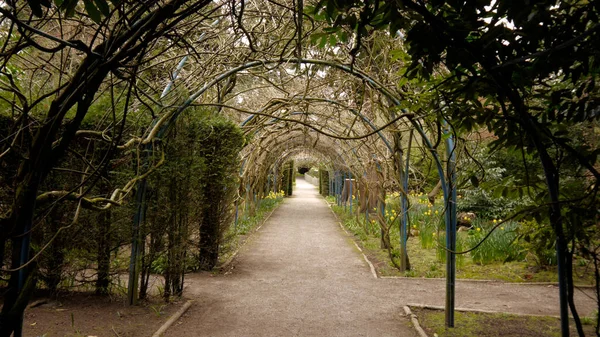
<point x="492" y="325"/>
<point x="85" y="314"/>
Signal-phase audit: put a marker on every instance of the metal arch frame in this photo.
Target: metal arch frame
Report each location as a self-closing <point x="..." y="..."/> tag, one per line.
<point x="334" y="102"/>
<point x="164" y="123"/>
<point x="295" y="137"/>
<point x="273" y="121"/>
<point x="336" y="173"/>
<point x="346" y="165"/>
<point x="448" y="188"/>
<point x="274" y="159"/>
<point x="283" y="155"/>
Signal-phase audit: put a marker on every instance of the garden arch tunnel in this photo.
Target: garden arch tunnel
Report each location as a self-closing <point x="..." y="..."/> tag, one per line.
<point x="446" y="176"/>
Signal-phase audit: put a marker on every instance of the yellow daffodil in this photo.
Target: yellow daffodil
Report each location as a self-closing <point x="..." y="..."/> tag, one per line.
<point x="478" y="229"/>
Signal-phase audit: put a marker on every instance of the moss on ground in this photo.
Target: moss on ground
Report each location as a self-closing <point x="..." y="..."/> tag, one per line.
<point x="468" y="324"/>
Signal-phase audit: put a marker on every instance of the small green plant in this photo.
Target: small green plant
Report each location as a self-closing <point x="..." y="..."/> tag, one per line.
<point x="161" y="290"/>
<point x="441" y="247"/>
<point x="588" y="320"/>
<point x="159" y="265"/>
<point x="158" y="309"/>
<point x="460" y="246"/>
<point x="410" y="273"/>
<point x="427" y="235"/>
<point x="77" y="332"/>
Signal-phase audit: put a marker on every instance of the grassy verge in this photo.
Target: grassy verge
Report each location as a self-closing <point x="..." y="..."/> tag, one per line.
<point x="469" y="324"/>
<point x="427" y="259"/>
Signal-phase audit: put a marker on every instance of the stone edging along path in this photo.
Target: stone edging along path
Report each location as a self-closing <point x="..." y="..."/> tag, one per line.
<point x="173" y="319"/>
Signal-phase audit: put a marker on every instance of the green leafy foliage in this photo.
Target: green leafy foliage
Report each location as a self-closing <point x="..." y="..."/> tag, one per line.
<point x="538" y="239"/>
<point x="500" y="246"/>
<point x="220" y="145"/>
<point x="95" y="9"/>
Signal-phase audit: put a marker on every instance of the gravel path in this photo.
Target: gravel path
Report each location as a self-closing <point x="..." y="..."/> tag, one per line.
<point x="301" y="275"/>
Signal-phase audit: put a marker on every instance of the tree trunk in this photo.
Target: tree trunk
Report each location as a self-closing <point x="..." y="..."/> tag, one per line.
<point x="22" y="281"/>
<point x="209" y="230"/>
<point x="103" y="257"/>
<point x="565" y="272"/>
<point x="56" y="256"/>
<point x="434" y="192"/>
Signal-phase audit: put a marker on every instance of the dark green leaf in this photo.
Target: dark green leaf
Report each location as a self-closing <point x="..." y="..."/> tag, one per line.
<point x="103" y="7"/>
<point x="69" y="7"/>
<point x="474" y="181"/>
<point x="36" y="7"/>
<point x="92" y="11"/>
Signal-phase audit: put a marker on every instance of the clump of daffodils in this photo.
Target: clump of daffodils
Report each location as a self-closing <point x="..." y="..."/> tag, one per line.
<point x="272" y="195"/>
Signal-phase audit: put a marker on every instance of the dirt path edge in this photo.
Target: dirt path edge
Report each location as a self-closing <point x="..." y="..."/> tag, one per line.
<point x="173" y="319"/>
<point x="415" y="321"/>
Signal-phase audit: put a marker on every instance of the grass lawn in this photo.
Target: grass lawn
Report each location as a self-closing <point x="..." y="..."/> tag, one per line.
<point x="425" y="262"/>
<point x="468" y="324"/>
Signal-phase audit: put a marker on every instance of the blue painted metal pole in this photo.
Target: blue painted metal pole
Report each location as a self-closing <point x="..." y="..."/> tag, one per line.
<point x="339" y="189"/>
<point x="344" y="185"/>
<point x="175" y="75"/>
<point x="23" y="272"/>
<point x="331" y="191"/>
<point x="335" y="187"/>
<point x="404" y="195"/>
<point x="382" y="217"/>
<point x="350" y="195"/>
<point x="275" y="180"/>
<point x="247" y="200"/>
<point x="450" y="233"/>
